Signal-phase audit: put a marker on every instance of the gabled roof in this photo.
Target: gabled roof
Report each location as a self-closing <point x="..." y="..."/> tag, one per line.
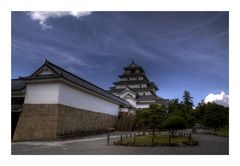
<point x="62" y="73"/>
<point x="127" y="89"/>
<point x="129" y="96"/>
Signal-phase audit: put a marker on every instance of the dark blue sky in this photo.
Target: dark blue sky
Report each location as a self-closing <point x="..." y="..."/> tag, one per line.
<point x="178" y="50"/>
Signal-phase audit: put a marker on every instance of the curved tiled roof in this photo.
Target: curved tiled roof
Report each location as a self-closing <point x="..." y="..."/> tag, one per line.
<point x="133" y="66"/>
<point x="131" y="82"/>
<point x="114" y="90"/>
<point x="146" y="98"/>
<point x="132" y="75"/>
<point x="17" y="85"/>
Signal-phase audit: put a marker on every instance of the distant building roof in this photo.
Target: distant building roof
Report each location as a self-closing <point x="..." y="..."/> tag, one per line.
<point x="62" y="73"/>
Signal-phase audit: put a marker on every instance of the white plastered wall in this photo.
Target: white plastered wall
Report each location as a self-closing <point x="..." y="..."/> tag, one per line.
<point x="79" y="99"/>
<point x="60" y="93"/>
<point x="42" y="93"/>
<point x="131" y="101"/>
<point x="142" y="106"/>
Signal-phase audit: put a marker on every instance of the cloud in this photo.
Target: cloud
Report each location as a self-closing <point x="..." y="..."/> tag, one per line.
<point x="222" y="98"/>
<point x="43" y="16"/>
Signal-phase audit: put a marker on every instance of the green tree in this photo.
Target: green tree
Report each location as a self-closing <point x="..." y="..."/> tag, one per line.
<point x="187" y="101"/>
<point x="178" y="108"/>
<point x="215" y="116"/>
<point x="151" y="118"/>
<point x="142" y="118"/>
<point x="174" y="105"/>
<point x="199" y="112"/>
<point x="174" y="123"/>
<point x="157" y="117"/>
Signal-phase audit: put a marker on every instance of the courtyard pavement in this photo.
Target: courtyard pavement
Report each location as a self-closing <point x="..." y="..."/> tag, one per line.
<point x="97" y="145"/>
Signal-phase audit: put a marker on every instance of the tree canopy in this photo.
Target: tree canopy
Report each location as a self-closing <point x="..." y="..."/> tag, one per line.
<point x="151" y="118"/>
<point x="187" y="101"/>
<point x="174" y="123"/>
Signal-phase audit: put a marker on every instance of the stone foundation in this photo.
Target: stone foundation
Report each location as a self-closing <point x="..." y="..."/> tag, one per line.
<point x="55" y="121"/>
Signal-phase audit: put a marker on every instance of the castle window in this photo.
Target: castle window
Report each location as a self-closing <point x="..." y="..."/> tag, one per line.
<point x="132" y="71"/>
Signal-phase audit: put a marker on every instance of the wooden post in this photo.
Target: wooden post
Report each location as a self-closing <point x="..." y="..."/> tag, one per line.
<point x="121" y="138"/>
<point x="126" y="136"/>
<point x="189" y="137"/>
<point x="152" y="140"/>
<point x="108" y="137"/>
<point x="134" y="138"/>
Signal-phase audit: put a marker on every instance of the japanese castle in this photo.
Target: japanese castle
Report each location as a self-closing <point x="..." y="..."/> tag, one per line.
<point x="135" y="87"/>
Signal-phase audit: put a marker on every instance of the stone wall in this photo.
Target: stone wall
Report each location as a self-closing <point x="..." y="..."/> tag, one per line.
<point x="54" y="121"/>
<point x="72" y="121"/>
<point x="37" y="122"/>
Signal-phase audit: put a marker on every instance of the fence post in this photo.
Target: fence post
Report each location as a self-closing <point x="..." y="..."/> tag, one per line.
<point x="108" y="137"/>
<point x="189" y="137"/>
<point x="121" y="138"/>
<point x="152" y="140"/>
<point x="134" y="138"/>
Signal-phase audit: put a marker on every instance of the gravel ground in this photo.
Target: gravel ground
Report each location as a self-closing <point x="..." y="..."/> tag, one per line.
<point x="97" y="144"/>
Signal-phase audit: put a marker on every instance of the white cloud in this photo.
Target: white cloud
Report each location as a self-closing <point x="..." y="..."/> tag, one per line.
<point x="222" y="98"/>
<point x="43" y="16"/>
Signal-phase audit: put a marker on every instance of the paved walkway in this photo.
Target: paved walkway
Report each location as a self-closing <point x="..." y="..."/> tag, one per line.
<point x="97" y="144"/>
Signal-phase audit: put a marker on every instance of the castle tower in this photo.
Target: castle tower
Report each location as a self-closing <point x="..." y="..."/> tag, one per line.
<point x="135" y="87"/>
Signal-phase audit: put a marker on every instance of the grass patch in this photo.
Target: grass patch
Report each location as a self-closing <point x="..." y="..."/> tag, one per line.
<point x="224" y="132"/>
<point x="159" y="140"/>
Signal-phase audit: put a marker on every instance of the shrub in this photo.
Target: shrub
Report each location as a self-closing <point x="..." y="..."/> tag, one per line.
<point x="174" y="123"/>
